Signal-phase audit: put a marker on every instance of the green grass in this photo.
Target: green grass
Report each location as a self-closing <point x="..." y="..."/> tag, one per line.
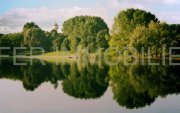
<point x="55" y="57"/>
<point x="59" y="54"/>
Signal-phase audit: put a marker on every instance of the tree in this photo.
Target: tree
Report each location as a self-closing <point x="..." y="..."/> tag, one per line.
<point x="92" y="47"/>
<point x="1" y="35"/>
<point x="57" y="39"/>
<point x="102" y="39"/>
<point x="174" y="36"/>
<point x="30" y="25"/>
<point x="58" y="42"/>
<point x="158" y="37"/>
<point x="11" y="40"/>
<point x="34" y="36"/>
<point x="74" y="42"/>
<point x="83" y="30"/>
<point x="155" y="36"/>
<point x="139" y="39"/>
<point x="124" y="24"/>
<point x="65" y="45"/>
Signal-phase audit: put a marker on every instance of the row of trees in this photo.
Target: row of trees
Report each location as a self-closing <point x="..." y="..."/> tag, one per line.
<point x="78" y="32"/>
<point x="13" y="39"/>
<point x="132" y="28"/>
<point x="138" y="28"/>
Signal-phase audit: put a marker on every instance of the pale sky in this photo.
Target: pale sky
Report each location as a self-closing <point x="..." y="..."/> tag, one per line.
<point x="15" y="13"/>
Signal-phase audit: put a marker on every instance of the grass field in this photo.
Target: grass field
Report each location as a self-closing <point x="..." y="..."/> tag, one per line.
<point x="64" y="54"/>
<point x="59" y="57"/>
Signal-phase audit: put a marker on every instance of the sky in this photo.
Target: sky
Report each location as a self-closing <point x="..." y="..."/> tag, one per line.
<point x="15" y="13"/>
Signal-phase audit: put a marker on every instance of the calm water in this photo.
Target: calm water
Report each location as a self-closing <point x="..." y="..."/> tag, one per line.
<point x="79" y="87"/>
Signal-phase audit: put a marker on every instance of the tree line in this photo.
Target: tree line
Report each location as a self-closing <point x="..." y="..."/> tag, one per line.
<point x="140" y="29"/>
<point x="78" y="32"/>
<point x="132" y="28"/>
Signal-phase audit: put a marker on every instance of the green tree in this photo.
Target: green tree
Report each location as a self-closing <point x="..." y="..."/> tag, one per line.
<point x="158" y="36"/>
<point x="74" y="42"/>
<point x="83" y="30"/>
<point x="139" y="39"/>
<point x="36" y="37"/>
<point x="65" y="45"/>
<point x="30" y="25"/>
<point x="1" y="35"/>
<point x="124" y="24"/>
<point x="174" y="36"/>
<point x="11" y="40"/>
<point x="102" y="39"/>
<point x="155" y="36"/>
<point x="57" y="39"/>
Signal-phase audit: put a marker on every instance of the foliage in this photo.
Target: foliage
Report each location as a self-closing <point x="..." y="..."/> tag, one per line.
<point x="11" y="40"/>
<point x="132" y="28"/>
<point x="65" y="45"/>
<point x="34" y="36"/>
<point x="124" y="24"/>
<point x="83" y="30"/>
<point x="57" y="39"/>
<point x="155" y="36"/>
<point x="102" y="39"/>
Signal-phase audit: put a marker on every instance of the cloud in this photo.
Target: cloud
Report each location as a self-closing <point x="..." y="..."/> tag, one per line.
<point x="165" y="10"/>
<point x="13" y="21"/>
<point x="142" y="4"/>
<point x="170" y="17"/>
<point x="146" y="1"/>
<point x="123" y="4"/>
<point x="172" y="2"/>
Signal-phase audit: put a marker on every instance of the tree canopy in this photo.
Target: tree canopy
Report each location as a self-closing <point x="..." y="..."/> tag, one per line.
<point x="35" y="37"/>
<point x="124" y="24"/>
<point x="83" y="30"/>
<point x="132" y="28"/>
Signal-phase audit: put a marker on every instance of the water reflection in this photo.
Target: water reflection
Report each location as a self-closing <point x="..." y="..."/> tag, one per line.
<point x="86" y="82"/>
<point x="78" y="79"/>
<point x="137" y="85"/>
<point x="132" y="86"/>
<point x="31" y="76"/>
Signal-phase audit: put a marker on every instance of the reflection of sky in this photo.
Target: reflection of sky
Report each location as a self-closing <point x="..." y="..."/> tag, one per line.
<point x="14" y="14"/>
<point x="45" y="99"/>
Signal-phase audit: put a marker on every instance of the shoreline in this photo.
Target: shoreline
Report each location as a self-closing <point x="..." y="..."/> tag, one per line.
<point x="77" y="57"/>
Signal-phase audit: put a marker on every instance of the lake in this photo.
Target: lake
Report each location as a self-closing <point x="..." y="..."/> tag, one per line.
<point x="88" y="87"/>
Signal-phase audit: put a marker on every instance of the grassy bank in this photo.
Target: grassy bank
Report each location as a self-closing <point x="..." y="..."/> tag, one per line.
<point x="71" y="56"/>
<point x="58" y="56"/>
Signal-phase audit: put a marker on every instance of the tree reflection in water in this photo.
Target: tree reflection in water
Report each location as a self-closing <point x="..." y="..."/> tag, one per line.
<point x="139" y="85"/>
<point x="132" y="86"/>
